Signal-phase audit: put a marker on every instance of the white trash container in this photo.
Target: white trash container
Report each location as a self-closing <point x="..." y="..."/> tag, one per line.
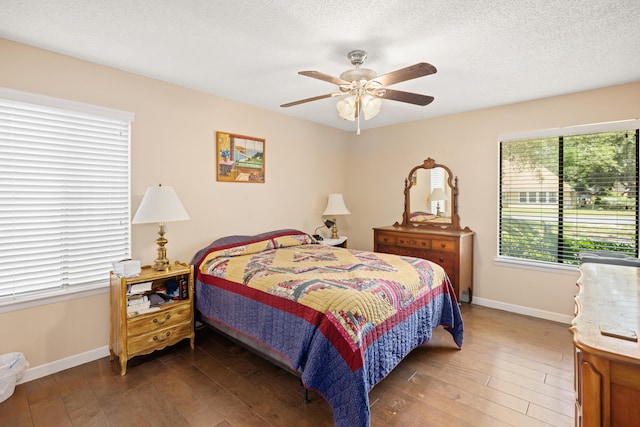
<point x="12" y="367"/>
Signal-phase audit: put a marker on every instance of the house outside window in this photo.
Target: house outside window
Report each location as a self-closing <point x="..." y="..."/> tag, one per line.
<point x="542" y="197"/>
<point x="581" y="187"/>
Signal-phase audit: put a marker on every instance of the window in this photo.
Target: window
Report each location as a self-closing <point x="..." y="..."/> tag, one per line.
<point x="581" y="187"/>
<point x="64" y="195"/>
<point x="542" y="197"/>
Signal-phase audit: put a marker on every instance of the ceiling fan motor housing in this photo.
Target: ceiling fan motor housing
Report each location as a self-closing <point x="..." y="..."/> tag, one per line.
<point x="357" y="58"/>
<point x="358" y="74"/>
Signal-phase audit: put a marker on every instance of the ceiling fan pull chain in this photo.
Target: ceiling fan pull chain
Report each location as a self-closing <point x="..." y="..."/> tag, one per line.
<point x="358" y="114"/>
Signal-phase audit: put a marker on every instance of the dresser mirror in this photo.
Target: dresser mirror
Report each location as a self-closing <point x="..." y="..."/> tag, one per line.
<point x="431" y="197"/>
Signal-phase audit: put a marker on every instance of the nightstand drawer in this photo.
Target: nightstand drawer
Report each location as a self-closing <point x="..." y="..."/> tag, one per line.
<point x="147" y="343"/>
<point x="151" y="322"/>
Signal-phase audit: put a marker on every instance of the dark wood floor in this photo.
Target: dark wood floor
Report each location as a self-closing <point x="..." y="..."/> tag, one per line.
<point x="513" y="370"/>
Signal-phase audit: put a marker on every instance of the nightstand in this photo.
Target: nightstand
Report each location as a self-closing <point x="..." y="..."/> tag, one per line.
<point x="137" y="331"/>
<point x="340" y="242"/>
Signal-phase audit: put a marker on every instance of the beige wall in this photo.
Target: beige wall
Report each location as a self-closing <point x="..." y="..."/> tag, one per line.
<point x="380" y="160"/>
<point x="173" y="144"/>
<point x="173" y="139"/>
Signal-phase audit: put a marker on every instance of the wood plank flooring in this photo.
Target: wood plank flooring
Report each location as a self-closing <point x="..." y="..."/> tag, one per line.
<point x="513" y="370"/>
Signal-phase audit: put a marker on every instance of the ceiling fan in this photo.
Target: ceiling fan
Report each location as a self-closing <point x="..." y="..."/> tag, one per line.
<point x="363" y="90"/>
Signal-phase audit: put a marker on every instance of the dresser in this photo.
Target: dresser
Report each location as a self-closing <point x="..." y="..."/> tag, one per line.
<point x="452" y="249"/>
<point x="607" y="353"/>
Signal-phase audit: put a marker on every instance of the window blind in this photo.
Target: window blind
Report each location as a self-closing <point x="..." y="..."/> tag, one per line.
<point x="565" y="194"/>
<point x="64" y="197"/>
<point x="437" y="181"/>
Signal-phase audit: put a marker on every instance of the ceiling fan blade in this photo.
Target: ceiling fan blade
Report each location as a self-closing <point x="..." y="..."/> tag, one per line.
<point x="411" y="98"/>
<point x="324" y="77"/>
<point x="411" y="72"/>
<point x="302" y="101"/>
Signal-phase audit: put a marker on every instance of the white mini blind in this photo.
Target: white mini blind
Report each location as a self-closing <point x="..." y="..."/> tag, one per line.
<point x="64" y="198"/>
<point x="570" y="192"/>
<point x="437" y="181"/>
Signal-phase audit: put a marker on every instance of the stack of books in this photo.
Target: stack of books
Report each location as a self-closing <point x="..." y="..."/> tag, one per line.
<point x="137" y="300"/>
<point x="137" y="304"/>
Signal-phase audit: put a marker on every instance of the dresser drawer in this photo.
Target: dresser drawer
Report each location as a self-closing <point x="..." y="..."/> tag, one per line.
<point x="414" y="242"/>
<point x="385" y="239"/>
<point x="445" y="259"/>
<point x="444" y="245"/>
<point x="154" y="321"/>
<point x="148" y="342"/>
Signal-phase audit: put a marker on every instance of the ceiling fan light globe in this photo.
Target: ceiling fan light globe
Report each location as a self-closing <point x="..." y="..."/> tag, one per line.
<point x="346" y="108"/>
<point x="371" y="106"/>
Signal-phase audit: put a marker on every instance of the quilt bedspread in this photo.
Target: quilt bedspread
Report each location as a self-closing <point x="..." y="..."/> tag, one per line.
<point x="342" y="318"/>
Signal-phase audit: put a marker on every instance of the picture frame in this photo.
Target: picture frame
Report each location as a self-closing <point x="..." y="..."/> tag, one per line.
<point x="240" y="158"/>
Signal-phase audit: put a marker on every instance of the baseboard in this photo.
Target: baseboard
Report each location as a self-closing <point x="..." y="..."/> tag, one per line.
<point x="548" y="315"/>
<point x="62" y="364"/>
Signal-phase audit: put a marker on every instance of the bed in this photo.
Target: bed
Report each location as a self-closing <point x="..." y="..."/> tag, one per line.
<point x="340" y="319"/>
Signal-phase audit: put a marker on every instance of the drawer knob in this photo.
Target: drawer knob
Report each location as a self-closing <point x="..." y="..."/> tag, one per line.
<point x="162" y="322"/>
<point x="440" y="260"/>
<point x="156" y="338"/>
<point x="442" y="245"/>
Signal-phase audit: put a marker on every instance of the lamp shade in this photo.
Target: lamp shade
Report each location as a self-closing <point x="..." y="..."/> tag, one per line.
<point x="438" y="194"/>
<point x="336" y="206"/>
<point x="160" y="204"/>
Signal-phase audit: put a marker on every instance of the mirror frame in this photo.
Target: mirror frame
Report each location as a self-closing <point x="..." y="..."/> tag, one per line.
<point x="451" y="181"/>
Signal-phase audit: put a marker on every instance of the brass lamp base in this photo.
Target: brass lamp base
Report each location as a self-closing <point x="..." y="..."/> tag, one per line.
<point x="162" y="262"/>
<point x="334" y="230"/>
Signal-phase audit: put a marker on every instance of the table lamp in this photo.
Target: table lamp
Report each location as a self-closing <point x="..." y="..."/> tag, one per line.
<point x="335" y="206"/>
<point x="160" y="204"/>
<point x="437" y="195"/>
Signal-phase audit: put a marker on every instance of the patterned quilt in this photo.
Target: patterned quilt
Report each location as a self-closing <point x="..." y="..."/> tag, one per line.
<point x="342" y="318"/>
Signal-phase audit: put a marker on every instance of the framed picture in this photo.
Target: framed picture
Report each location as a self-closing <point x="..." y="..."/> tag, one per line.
<point x="239" y="158"/>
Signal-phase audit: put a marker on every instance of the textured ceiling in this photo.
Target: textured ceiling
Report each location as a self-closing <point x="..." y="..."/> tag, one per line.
<point x="487" y="52"/>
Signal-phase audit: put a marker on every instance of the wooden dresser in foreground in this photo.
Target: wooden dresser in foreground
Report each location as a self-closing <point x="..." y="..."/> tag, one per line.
<point x="133" y="334"/>
<point x="452" y="249"/>
<point x="607" y="353"/>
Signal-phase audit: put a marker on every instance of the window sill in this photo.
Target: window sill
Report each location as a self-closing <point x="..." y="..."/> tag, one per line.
<point x="26" y="302"/>
<point x="548" y="267"/>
